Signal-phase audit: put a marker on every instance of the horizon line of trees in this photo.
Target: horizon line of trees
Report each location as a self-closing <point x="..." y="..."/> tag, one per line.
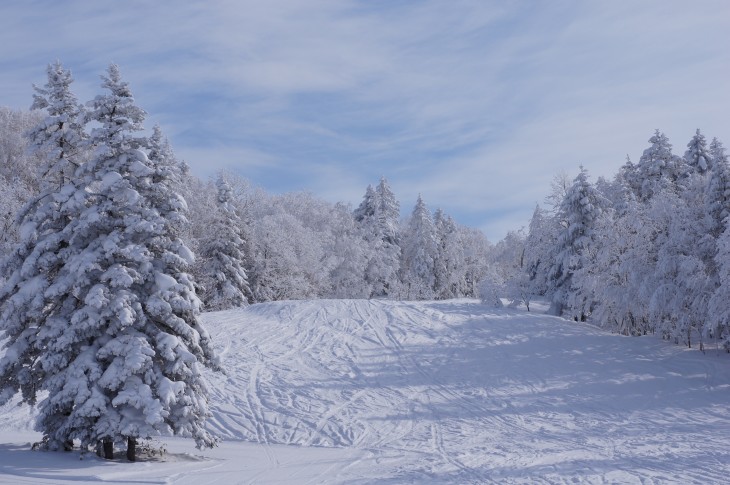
<point x="251" y="246"/>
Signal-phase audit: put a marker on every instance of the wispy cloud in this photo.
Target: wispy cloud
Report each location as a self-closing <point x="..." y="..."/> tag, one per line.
<point x="474" y="104"/>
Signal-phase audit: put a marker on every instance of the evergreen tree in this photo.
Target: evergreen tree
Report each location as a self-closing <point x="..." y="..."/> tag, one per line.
<point x="681" y="276"/>
<point x="717" y="206"/>
<point x="449" y="259"/>
<point x="697" y="157"/>
<point x="225" y="281"/>
<point x="419" y="254"/>
<point x="658" y="168"/>
<point x="578" y="214"/>
<point x="629" y="176"/>
<point x="717" y="195"/>
<point x="366" y="210"/>
<point x="377" y="218"/>
<point x="36" y="261"/>
<point x="122" y="343"/>
<point x="387" y="213"/>
<point x="540" y="244"/>
<point x="718" y="308"/>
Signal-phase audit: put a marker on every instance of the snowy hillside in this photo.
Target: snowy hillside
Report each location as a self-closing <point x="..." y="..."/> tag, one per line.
<point x="357" y="391"/>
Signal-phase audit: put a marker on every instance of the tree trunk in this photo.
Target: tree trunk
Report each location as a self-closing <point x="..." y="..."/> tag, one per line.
<point x="131" y="449"/>
<point x="108" y="446"/>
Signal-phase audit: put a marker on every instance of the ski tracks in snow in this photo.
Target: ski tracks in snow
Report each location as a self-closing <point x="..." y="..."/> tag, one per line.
<point x="453" y="392"/>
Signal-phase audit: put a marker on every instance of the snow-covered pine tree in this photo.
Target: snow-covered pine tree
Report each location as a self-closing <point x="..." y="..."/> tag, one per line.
<point x="441" y="287"/>
<point x="697" y="157"/>
<point x="717" y="195"/>
<point x="629" y="176"/>
<point x="658" y="168"/>
<point x="685" y="272"/>
<point x="718" y="308"/>
<point x="540" y="244"/>
<point x="682" y="283"/>
<point x="449" y="270"/>
<point x="366" y="210"/>
<point x="34" y="264"/>
<point x="123" y="345"/>
<point x="578" y="213"/>
<point x="387" y="212"/>
<point x="717" y="207"/>
<point x="383" y="271"/>
<point x="419" y="254"/>
<point x="225" y="281"/>
<point x="377" y="218"/>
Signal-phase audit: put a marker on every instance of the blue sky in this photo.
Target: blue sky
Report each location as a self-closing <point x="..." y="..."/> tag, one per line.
<point x="476" y="105"/>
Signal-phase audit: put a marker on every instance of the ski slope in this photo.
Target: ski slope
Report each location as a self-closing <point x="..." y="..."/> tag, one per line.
<point x="355" y="391"/>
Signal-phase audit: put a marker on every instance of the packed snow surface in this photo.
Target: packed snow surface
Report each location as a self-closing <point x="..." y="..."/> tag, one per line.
<point x="355" y="391"/>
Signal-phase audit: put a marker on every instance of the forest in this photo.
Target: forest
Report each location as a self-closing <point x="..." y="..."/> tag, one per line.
<point x="252" y="246"/>
<point x="643" y="252"/>
<point x="647" y="252"/>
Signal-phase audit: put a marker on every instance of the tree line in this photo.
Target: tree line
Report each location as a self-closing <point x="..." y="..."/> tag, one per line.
<point x="252" y="246"/>
<point x="643" y="253"/>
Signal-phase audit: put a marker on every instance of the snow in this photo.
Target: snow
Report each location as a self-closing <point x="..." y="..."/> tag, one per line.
<point x="358" y="391"/>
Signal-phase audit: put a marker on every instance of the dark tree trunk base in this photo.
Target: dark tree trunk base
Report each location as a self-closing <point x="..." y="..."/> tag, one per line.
<point x="131" y="449"/>
<point x="108" y="449"/>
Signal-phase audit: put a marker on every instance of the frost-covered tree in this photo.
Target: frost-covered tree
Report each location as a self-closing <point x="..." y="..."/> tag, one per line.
<point x="717" y="209"/>
<point x="658" y="168"/>
<point x="377" y="218"/>
<point x="491" y="288"/>
<point x="717" y="195"/>
<point x="21" y="170"/>
<point x="122" y="342"/>
<point x="367" y="208"/>
<point x="382" y="271"/>
<point x="610" y="278"/>
<point x="682" y="282"/>
<point x="578" y="213"/>
<point x="476" y="259"/>
<point x="718" y="308"/>
<point x="350" y="257"/>
<point x="449" y="266"/>
<point x="35" y="262"/>
<point x="61" y="135"/>
<point x="629" y="176"/>
<point x="419" y="254"/>
<point x="540" y="244"/>
<point x="387" y="212"/>
<point x="697" y="157"/>
<point x="509" y="263"/>
<point x="289" y="237"/>
<point x="225" y="280"/>
<point x="21" y="165"/>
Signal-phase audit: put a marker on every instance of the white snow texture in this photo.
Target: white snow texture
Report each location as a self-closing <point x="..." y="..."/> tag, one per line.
<point x="358" y="391"/>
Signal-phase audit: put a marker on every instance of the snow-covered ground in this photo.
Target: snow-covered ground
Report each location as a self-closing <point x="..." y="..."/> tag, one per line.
<point x="345" y="391"/>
